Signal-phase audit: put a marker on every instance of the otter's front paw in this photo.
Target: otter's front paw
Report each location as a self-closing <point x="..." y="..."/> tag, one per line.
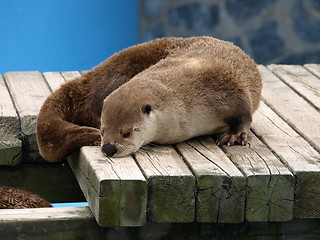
<point x="231" y="139"/>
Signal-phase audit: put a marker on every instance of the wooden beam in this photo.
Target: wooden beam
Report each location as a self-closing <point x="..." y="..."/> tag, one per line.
<point x="297" y="154"/>
<point x="70" y="75"/>
<point x="297" y="112"/>
<point x="54" y="80"/>
<point x="220" y="185"/>
<point x="43" y="223"/>
<point x="78" y="223"/>
<point x="28" y="91"/>
<point x="301" y="80"/>
<point x="115" y="188"/>
<point x="171" y="195"/>
<point x="270" y="185"/>
<point x="314" y="68"/>
<point x="10" y="144"/>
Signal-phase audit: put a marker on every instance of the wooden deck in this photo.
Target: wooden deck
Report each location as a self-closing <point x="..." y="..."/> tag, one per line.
<point x="275" y="178"/>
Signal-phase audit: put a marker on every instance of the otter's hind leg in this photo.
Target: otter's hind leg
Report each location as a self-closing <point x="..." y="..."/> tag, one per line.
<point x="239" y="128"/>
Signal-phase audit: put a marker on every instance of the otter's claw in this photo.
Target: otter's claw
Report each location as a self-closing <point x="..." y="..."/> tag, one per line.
<point x="231" y="139"/>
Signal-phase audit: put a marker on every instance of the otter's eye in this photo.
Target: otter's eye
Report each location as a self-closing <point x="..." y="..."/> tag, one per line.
<point x="126" y="135"/>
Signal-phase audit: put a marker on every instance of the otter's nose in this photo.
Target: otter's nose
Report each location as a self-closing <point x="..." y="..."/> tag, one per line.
<point x="109" y="149"/>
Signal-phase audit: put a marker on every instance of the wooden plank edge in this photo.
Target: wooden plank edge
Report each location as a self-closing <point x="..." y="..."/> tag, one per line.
<point x="126" y="206"/>
<point x="266" y="181"/>
<point x="10" y="143"/>
<point x="171" y="195"/>
<point x="297" y="154"/>
<point x="221" y="191"/>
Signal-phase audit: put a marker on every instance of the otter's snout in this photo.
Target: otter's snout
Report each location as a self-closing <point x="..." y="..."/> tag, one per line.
<point x="109" y="149"/>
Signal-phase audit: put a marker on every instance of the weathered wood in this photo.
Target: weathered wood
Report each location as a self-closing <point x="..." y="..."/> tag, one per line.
<point x="70" y="75"/>
<point x="260" y="175"/>
<point x="220" y="185"/>
<point x="297" y="154"/>
<point x="84" y="71"/>
<point x="28" y="90"/>
<point x="53" y="182"/>
<point x="171" y="195"/>
<point x="301" y="80"/>
<point x="270" y="185"/>
<point x="10" y="144"/>
<point x="48" y="223"/>
<point x="44" y="214"/>
<point x="54" y="80"/>
<point x="78" y="223"/>
<point x="314" y="68"/>
<point x="115" y="188"/>
<point x="297" y="112"/>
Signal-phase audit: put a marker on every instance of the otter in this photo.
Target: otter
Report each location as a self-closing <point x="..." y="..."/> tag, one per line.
<point x="163" y="91"/>
<point x="14" y="198"/>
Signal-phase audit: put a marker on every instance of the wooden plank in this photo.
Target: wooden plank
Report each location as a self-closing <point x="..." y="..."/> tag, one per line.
<point x="297" y="112"/>
<point x="10" y="144"/>
<point x="70" y="75"/>
<point x="115" y="188"/>
<point x="301" y="80"/>
<point x="78" y="223"/>
<point x="270" y="185"/>
<point x="171" y="195"/>
<point x="220" y="185"/>
<point x="84" y="71"/>
<point x="49" y="223"/>
<point x="54" y="80"/>
<point x="28" y="90"/>
<point x="54" y="182"/>
<point x="314" y="68"/>
<point x="297" y="154"/>
<point x="44" y="214"/>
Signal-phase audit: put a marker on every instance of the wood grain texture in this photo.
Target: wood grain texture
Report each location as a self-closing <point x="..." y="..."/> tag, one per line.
<point x="70" y="75"/>
<point x="297" y="112"/>
<point x="297" y="154"/>
<point x="54" y="80"/>
<point x="171" y="195"/>
<point x="220" y="185"/>
<point x="28" y="91"/>
<point x="115" y="188"/>
<point x="44" y="214"/>
<point x="78" y="223"/>
<point x="270" y="185"/>
<point x="48" y="223"/>
<point x="301" y="80"/>
<point x="10" y="144"/>
<point x="314" y="68"/>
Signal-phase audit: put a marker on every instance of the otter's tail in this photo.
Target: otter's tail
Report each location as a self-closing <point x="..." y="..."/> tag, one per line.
<point x="57" y="133"/>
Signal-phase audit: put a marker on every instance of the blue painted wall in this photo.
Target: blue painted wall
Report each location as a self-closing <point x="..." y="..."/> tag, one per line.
<point x="62" y="35"/>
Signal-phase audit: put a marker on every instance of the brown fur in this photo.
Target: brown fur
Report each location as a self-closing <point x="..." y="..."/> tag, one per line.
<point x="70" y="117"/>
<point x="13" y="198"/>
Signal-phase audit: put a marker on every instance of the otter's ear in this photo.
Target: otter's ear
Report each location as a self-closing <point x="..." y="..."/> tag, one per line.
<point x="146" y="109"/>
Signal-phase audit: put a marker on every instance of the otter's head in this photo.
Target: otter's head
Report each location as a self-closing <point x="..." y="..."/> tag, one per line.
<point x="126" y="124"/>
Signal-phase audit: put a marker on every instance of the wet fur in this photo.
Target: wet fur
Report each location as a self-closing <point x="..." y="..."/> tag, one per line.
<point x="70" y="117"/>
